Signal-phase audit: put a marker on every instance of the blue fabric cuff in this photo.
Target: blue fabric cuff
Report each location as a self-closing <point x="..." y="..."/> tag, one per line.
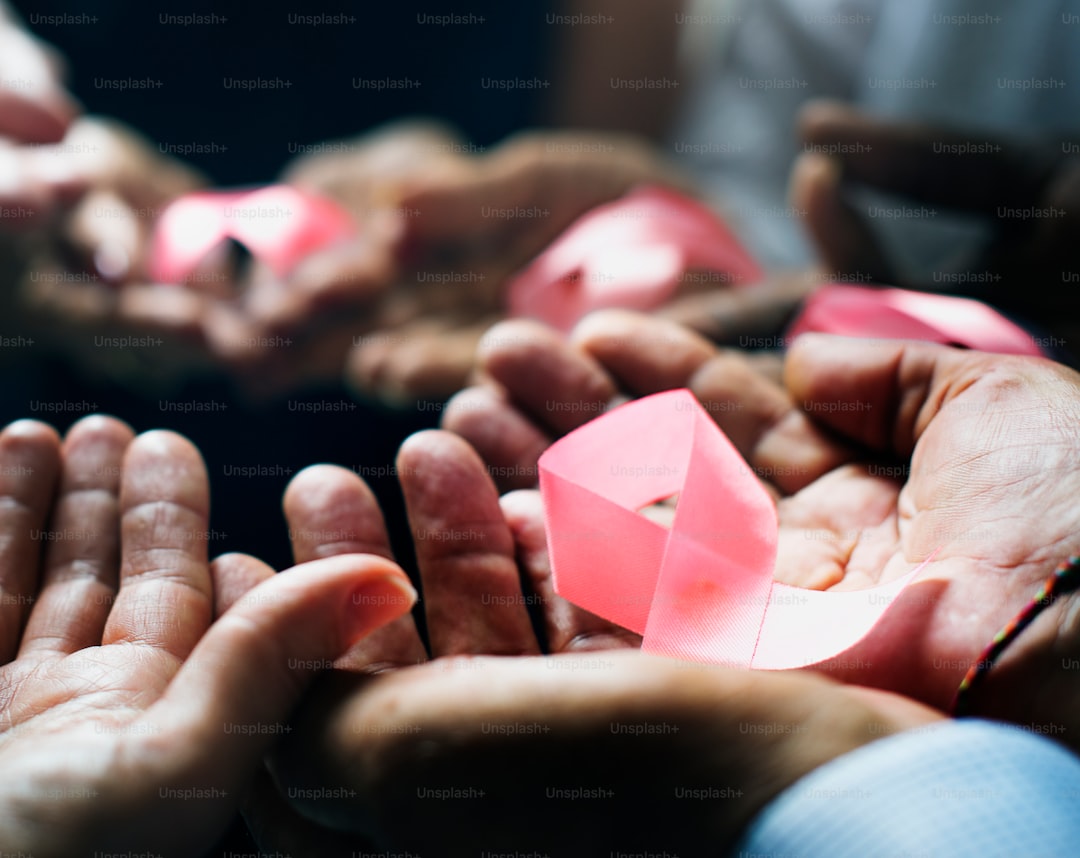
<point x="955" y="788"/>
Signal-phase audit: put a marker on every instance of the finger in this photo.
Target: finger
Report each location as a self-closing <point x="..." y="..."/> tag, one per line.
<point x="233" y="575"/>
<point x="39" y="110"/>
<point x="843" y="240"/>
<point x="33" y="120"/>
<point x="747" y="317"/>
<point x="464" y="549"/>
<point x="921" y="161"/>
<point x="245" y="676"/>
<point x="644" y="355"/>
<point x="82" y="555"/>
<point x="425" y="360"/>
<point x="331" y="511"/>
<point x="878" y="393"/>
<point x="509" y="443"/>
<point x="30" y="463"/>
<point x="776" y="437"/>
<point x="23" y="198"/>
<point x="166" y="598"/>
<point x="105" y="230"/>
<point x="760" y="419"/>
<point x="567" y="627"/>
<point x="556" y="385"/>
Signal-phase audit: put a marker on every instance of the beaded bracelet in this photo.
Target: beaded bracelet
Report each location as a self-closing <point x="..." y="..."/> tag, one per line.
<point x="1063" y="580"/>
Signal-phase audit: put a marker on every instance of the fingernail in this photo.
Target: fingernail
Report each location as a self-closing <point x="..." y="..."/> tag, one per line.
<point x="377" y="602"/>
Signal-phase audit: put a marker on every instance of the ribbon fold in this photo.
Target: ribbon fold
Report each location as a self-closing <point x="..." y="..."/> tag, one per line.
<point x="629" y="253"/>
<point x="278" y="224"/>
<point x="900" y="314"/>
<point x="703" y="590"/>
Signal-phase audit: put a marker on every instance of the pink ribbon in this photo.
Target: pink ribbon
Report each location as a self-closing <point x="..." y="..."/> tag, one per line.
<point x="279" y="224"/>
<point x="628" y="253"/>
<point x="899" y="314"/>
<point x="704" y="589"/>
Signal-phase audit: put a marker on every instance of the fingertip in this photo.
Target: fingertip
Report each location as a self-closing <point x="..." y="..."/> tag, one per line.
<point x="467" y="406"/>
<point x="164" y="465"/>
<point x="321" y="482"/>
<point x="101" y="426"/>
<point x="430" y="445"/>
<point x="603" y="325"/>
<point x="812" y="174"/>
<point x="27" y="434"/>
<point x="164" y="442"/>
<point x="381" y="597"/>
<point x="820" y="115"/>
<point x="807" y="351"/>
<point x="508" y="337"/>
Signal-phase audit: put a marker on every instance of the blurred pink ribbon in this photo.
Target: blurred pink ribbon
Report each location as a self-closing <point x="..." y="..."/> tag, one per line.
<point x="278" y="224"/>
<point x="899" y="314"/>
<point x="704" y="589"/>
<point x="629" y="253"/>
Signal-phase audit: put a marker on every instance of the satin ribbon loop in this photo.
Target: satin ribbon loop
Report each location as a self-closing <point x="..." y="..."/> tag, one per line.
<point x="704" y="589"/>
<point x="278" y="224"/>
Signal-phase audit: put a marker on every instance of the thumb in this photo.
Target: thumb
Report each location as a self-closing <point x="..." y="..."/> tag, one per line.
<point x="845" y="243"/>
<point x="879" y="393"/>
<point x="248" y="672"/>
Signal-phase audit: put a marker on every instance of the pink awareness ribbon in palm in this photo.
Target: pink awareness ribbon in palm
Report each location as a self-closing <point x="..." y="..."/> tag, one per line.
<point x="702" y="590"/>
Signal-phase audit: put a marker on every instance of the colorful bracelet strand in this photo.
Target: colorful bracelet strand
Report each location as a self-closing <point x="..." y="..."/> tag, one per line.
<point x="1064" y="579"/>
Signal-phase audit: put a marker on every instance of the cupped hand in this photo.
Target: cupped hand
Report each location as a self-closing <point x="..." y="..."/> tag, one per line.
<point x="531" y="724"/>
<point x="134" y="709"/>
<point x="881" y="455"/>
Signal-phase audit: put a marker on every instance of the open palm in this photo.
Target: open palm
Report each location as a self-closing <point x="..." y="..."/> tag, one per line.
<point x="129" y="717"/>
<point x="880" y="456"/>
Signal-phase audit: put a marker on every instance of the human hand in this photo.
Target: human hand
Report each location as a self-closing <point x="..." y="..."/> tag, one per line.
<point x="85" y="282"/>
<point x="393" y="737"/>
<point x="466" y="230"/>
<point x="879" y="454"/>
<point x="134" y="709"/>
<point x="1029" y="191"/>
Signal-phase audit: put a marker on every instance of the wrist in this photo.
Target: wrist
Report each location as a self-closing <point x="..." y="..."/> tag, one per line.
<point x="1034" y="685"/>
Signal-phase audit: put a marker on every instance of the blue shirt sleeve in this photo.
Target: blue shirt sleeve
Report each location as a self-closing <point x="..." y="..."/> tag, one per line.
<point x="957" y="788"/>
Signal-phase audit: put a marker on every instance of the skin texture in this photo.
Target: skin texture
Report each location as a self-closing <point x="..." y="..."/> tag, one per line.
<point x="134" y="708"/>
<point x="880" y="455"/>
<point x="486" y="712"/>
